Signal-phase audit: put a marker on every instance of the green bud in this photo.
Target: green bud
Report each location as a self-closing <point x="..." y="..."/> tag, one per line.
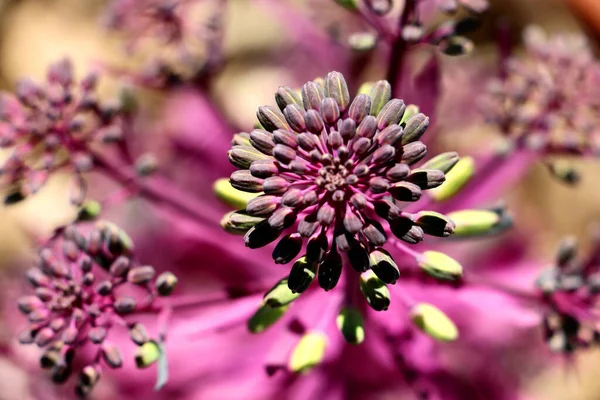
<point x="232" y="197"/>
<point x="280" y="295"/>
<point x="366" y="88"/>
<point x="380" y="94"/>
<point x="439" y="265"/>
<point x="474" y="222"/>
<point x="411" y="111"/>
<point x="444" y="162"/>
<point x="147" y="354"/>
<point x="117" y="237"/>
<point x="264" y="317"/>
<point x="375" y="291"/>
<point x="308" y="353"/>
<point x="432" y="321"/>
<point x="90" y="210"/>
<point x="350" y="323"/>
<point x="347" y="4"/>
<point x="456" y="179"/>
<point x="239" y="222"/>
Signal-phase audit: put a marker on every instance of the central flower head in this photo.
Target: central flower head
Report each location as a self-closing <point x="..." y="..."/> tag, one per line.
<point x="330" y="171"/>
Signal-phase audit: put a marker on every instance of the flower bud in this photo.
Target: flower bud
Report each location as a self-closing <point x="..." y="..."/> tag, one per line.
<point x="414" y="128"/>
<point x="348" y="4"/>
<point x="439" y="265"/>
<point x="456" y="179"/>
<point x="271" y="118"/>
<point x="138" y="334"/>
<point x="308" y="353"/>
<point x="280" y="295"/>
<point x="391" y="113"/>
<point x="264" y="317"/>
<point x="301" y="275"/>
<point x="285" y="96"/>
<point x="146" y="165"/>
<point x="287" y="248"/>
<point x="432" y="321"/>
<point x="350" y="323"/>
<point x="231" y="196"/>
<point x="147" y="354"/>
<point x="444" y="162"/>
<point x="434" y="224"/>
<point x="426" y="178"/>
<point x="383" y="265"/>
<point x="89" y="211"/>
<point x="330" y="270"/>
<point x="337" y="89"/>
<point x="261" y="235"/>
<point x="474" y="222"/>
<point x="112" y="356"/>
<point x="166" y="283"/>
<point x="239" y="222"/>
<point x="456" y="45"/>
<point x="141" y="275"/>
<point x="375" y="291"/>
<point x="124" y="305"/>
<point x="381" y="93"/>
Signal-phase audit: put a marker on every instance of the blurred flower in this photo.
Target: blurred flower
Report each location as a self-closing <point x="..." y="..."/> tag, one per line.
<point x="81" y="294"/>
<point x="57" y="125"/>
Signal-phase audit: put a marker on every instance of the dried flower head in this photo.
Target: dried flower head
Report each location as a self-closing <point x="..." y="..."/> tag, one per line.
<point x="569" y="289"/>
<point x="55" y="125"/>
<point x="330" y="172"/>
<point x="548" y="100"/>
<point x="82" y="294"/>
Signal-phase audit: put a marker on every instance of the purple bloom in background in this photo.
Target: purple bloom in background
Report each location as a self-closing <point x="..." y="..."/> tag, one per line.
<point x="54" y="126"/>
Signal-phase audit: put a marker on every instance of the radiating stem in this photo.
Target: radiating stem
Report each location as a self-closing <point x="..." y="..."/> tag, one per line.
<point x="399" y="48"/>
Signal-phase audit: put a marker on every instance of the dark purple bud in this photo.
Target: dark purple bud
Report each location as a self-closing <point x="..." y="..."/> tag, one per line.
<point x="362" y="170"/>
<point x="330" y="270"/>
<point x="358" y="200"/>
<point x="361" y="146"/>
<point x="262" y="141"/>
<point x="413" y="152"/>
<point x="367" y="127"/>
<point x="312" y="95"/>
<point x="299" y="166"/>
<point x="329" y="111"/>
<point x="285" y="96"/>
<point x="310" y="198"/>
<point x="314" y="122"/>
<point x="104" y="288"/>
<point x="57" y="324"/>
<point x="88" y="279"/>
<point x="292" y="198"/>
<point x="295" y="117"/>
<point x="358" y="256"/>
<point x="387" y="209"/>
<point x="166" y="283"/>
<point x="88" y="378"/>
<point x="120" y="267"/>
<point x="308" y="226"/>
<point x="112" y="356"/>
<point x="414" y="128"/>
<point x="348" y="129"/>
<point x="398" y="172"/>
<point x="384" y="154"/>
<point x="405" y="191"/>
<point x="401" y="226"/>
<point x="97" y="334"/>
<point x="374" y="233"/>
<point x="60" y="372"/>
<point x="413" y="236"/>
<point x="434" y="223"/>
<point x="242" y="156"/>
<point x="301" y="275"/>
<point x="456" y="45"/>
<point x="37" y="278"/>
<point x="378" y="184"/>
<point x="287" y="248"/>
<point x="262" y="205"/>
<point x="383" y="265"/>
<point x="390" y="135"/>
<point x="316" y="247"/>
<point x="260" y="235"/>
<point x="275" y="185"/>
<point x="27" y="336"/>
<point x="263" y="168"/>
<point x="306" y="141"/>
<point x="284" y="154"/>
<point x="271" y="118"/>
<point x="360" y="108"/>
<point x="124" y="305"/>
<point x="336" y="88"/>
<point x="243" y="180"/>
<point x="426" y="178"/>
<point x="44" y="337"/>
<point x="70" y="250"/>
<point x="351" y="222"/>
<point x="391" y="113"/>
<point x="139" y="334"/>
<point x="140" y="275"/>
<point x="27" y="304"/>
<point x="285" y="138"/>
<point x="335" y="140"/>
<point x="282" y="218"/>
<point x="338" y="196"/>
<point x="326" y="214"/>
<point x="38" y="315"/>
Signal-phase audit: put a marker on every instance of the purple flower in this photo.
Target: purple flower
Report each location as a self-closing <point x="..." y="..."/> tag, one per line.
<point x="54" y="126"/>
<point x="85" y="288"/>
<point x="331" y="171"/>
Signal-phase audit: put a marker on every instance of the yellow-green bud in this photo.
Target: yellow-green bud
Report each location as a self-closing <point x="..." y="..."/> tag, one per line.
<point x="239" y="222"/>
<point x="456" y="179"/>
<point x="308" y="353"/>
<point x="375" y="291"/>
<point x="474" y="222"/>
<point x="280" y="295"/>
<point x="90" y="210"/>
<point x="381" y="93"/>
<point x="432" y="321"/>
<point x="232" y="197"/>
<point x="411" y="111"/>
<point x="439" y="265"/>
<point x="147" y="354"/>
<point x="350" y="323"/>
<point x="264" y="317"/>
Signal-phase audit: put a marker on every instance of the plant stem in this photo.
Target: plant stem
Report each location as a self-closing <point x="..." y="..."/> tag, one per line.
<point x="399" y="47"/>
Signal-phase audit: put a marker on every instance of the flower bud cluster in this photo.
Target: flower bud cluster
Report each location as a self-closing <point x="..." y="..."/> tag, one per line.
<point x="84" y="288"/>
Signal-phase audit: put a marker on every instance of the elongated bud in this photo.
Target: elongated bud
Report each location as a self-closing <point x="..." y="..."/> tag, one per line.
<point x="330" y="270"/>
<point x="147" y="354"/>
<point x="337" y="89"/>
<point x="301" y="275"/>
<point x="381" y="93"/>
<point x="112" y="356"/>
<point x="456" y="45"/>
<point x="141" y="275"/>
<point x="166" y="283"/>
<point x="89" y="211"/>
<point x="231" y="196"/>
<point x="432" y="321"/>
<point x="566" y="251"/>
<point x="434" y="224"/>
<point x="348" y="4"/>
<point x="383" y="265"/>
<point x="375" y="291"/>
<point x="285" y="96"/>
<point x="239" y="222"/>
<point x="391" y="113"/>
<point x="271" y="118"/>
<point x="139" y="334"/>
<point x="287" y="248"/>
<point x="470" y="223"/>
<point x="439" y="265"/>
<point x="265" y="317"/>
<point x="456" y="179"/>
<point x="350" y="323"/>
<point x="444" y="162"/>
<point x="261" y="235"/>
<point x="308" y="353"/>
<point x="414" y="128"/>
<point x="280" y="295"/>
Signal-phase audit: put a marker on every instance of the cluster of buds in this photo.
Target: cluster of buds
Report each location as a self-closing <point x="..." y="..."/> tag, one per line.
<point x="570" y="290"/>
<point x="84" y="292"/>
<point x="52" y="126"/>
<point x="329" y="171"/>
<point x="547" y="101"/>
<point x="172" y="31"/>
<point x="414" y="28"/>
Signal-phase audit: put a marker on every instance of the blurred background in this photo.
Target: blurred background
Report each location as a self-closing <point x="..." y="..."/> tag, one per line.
<point x="34" y="33"/>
